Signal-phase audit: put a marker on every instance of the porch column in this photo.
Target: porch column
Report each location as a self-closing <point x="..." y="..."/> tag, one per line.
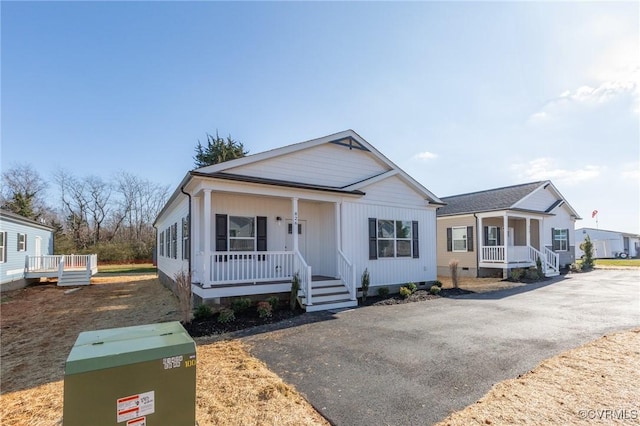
<point x="207" y="238"/>
<point x="505" y="237"/>
<point x="294" y="216"/>
<point x="480" y="240"/>
<point x="338" y="233"/>
<point x="195" y="237"/>
<point x="528" y="219"/>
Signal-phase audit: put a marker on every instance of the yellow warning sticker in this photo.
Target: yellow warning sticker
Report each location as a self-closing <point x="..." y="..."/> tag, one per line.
<point x="133" y="406"/>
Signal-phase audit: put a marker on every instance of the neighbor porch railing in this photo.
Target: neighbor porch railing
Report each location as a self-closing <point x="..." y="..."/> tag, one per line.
<point x="347" y="272"/>
<point x="65" y="261"/>
<point x="492" y="254"/>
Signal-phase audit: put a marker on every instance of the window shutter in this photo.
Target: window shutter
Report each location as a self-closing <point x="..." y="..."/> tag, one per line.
<point x="449" y="239"/>
<point x="554" y="244"/>
<point x="485" y="231"/>
<point x="469" y="238"/>
<point x="261" y="233"/>
<point x="499" y="236"/>
<point x="568" y="244"/>
<point x="414" y="241"/>
<point x="18" y="243"/>
<point x="373" y="241"/>
<point x="221" y="232"/>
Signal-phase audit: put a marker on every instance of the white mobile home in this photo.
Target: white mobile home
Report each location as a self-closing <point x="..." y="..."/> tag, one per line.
<point x="608" y="244"/>
<point x="325" y="209"/>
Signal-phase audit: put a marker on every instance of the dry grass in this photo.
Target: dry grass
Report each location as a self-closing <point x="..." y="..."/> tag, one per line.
<point x="478" y="285"/>
<point x="575" y="387"/>
<point x="40" y="325"/>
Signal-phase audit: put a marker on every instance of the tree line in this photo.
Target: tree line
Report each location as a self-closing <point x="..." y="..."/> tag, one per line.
<point x="89" y="214"/>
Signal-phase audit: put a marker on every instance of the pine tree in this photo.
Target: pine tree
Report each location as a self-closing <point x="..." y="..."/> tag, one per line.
<point x="218" y="150"/>
<point x="587" y="258"/>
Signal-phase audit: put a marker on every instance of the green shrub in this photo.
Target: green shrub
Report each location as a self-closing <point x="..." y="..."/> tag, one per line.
<point x="226" y="315"/>
<point x="587" y="258"/>
<point x="576" y="267"/>
<point x="365" y="284"/>
<point x="434" y="289"/>
<point x="405" y="292"/>
<point x="295" y="287"/>
<point x="517" y="274"/>
<point x="274" y="301"/>
<point x="383" y="291"/>
<point x="264" y="309"/>
<point x="437" y="282"/>
<point x="203" y="312"/>
<point x="412" y="286"/>
<point x="241" y="304"/>
<point x="532" y="274"/>
<point x="539" y="268"/>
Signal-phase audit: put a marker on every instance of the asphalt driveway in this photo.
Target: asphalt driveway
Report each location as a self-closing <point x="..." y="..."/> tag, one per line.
<point x="413" y="364"/>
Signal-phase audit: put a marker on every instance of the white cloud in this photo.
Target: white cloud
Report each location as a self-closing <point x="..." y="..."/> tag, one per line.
<point x="631" y="172"/>
<point x="547" y="168"/>
<point x="425" y="156"/>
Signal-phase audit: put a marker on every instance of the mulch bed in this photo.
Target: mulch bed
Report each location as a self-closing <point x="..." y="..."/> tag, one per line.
<point x="250" y="318"/>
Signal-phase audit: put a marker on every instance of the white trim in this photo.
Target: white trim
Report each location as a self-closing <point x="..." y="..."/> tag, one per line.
<point x="371" y="180"/>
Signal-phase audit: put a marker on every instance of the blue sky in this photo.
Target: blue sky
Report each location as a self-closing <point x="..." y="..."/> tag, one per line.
<point x="462" y="96"/>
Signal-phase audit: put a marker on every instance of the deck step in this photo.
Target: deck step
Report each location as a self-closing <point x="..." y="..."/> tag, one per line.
<point x="336" y="304"/>
<point x="73" y="278"/>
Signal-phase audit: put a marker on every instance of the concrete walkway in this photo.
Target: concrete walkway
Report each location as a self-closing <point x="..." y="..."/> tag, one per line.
<point x="415" y="363"/>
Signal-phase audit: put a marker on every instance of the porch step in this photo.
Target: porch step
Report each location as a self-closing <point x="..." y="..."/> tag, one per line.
<point x="72" y="278"/>
<point x="336" y="304"/>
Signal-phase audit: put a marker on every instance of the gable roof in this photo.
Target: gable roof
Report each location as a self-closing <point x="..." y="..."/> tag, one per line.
<point x="504" y="198"/>
<point x="348" y="138"/>
<point x="9" y="215"/>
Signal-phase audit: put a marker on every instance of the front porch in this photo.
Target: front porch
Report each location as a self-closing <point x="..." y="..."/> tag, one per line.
<point x="514" y="240"/>
<point x="70" y="269"/>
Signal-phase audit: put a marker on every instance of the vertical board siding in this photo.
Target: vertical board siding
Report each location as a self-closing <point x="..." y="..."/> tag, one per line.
<point x="168" y="265"/>
<point x="355" y="241"/>
<point x="328" y="164"/>
<point x="541" y="200"/>
<point x="13" y="268"/>
<point x="561" y="220"/>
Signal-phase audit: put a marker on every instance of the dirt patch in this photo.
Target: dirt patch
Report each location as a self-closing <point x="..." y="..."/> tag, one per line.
<point x="479" y="285"/>
<point x="41" y="323"/>
<point x="594" y="384"/>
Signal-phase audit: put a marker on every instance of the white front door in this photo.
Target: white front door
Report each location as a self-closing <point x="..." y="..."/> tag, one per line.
<point x="302" y="236"/>
<point x="37" y="247"/>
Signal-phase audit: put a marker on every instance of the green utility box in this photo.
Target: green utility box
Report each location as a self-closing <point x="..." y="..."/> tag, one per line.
<point x="132" y="376"/>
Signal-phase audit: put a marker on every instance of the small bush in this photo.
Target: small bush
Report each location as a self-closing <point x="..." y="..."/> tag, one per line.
<point x="453" y="268"/>
<point x="517" y="274"/>
<point x="405" y="292"/>
<point x="364" y="283"/>
<point x="532" y="274"/>
<point x="241" y="304"/>
<point x="383" y="291"/>
<point x="203" y="312"/>
<point x="226" y="315"/>
<point x="264" y="309"/>
<point x="539" y="268"/>
<point x="576" y="267"/>
<point x="295" y="287"/>
<point x="437" y="282"/>
<point x="434" y="289"/>
<point x="412" y="286"/>
<point x="274" y="301"/>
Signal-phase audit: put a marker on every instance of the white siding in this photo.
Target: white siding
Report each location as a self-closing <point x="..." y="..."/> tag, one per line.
<point x="328" y="164"/>
<point x="540" y="200"/>
<point x="355" y="242"/>
<point x="561" y="220"/>
<point x="393" y="191"/>
<point x="178" y="210"/>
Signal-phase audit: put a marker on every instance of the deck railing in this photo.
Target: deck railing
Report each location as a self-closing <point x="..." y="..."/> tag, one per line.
<point x="55" y="262"/>
<point x="347" y="272"/>
<point x="492" y="254"/>
<point x="233" y="267"/>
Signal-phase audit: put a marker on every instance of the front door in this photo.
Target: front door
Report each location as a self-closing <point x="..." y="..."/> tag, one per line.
<point x="302" y="237"/>
<point x="38" y="253"/>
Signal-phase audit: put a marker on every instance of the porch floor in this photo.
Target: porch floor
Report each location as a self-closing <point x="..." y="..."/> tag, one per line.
<point x="284" y="280"/>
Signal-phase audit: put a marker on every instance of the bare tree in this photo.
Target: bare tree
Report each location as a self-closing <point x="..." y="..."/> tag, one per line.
<point x="23" y="191"/>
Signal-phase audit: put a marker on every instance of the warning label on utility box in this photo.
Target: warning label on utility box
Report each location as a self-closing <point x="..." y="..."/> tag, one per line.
<point x="140" y="421"/>
<point x="133" y="406"/>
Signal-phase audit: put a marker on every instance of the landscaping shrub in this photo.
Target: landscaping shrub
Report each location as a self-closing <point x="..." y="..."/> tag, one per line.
<point x="532" y="274"/>
<point x="364" y="283"/>
<point x="264" y="309"/>
<point x="587" y="258"/>
<point x="183" y="292"/>
<point x="295" y="287"/>
<point x="383" y="291"/>
<point x="203" y="312"/>
<point x="517" y="274"/>
<point x="241" y="304"/>
<point x="405" y="292"/>
<point x="226" y="315"/>
<point x="434" y="289"/>
<point x="539" y="268"/>
<point x="453" y="268"/>
<point x="412" y="286"/>
<point x="437" y="282"/>
<point x="274" y="301"/>
<point x="576" y="267"/>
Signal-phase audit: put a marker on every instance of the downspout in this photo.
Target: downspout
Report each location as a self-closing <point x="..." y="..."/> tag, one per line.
<point x="477" y="248"/>
<point x="190" y="230"/>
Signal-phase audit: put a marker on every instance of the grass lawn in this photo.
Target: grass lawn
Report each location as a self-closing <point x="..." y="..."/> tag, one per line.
<point x="618" y="262"/>
<point x="130" y="268"/>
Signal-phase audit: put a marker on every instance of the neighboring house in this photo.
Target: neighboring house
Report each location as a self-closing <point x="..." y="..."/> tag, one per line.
<point x="496" y="230"/>
<point x="608" y="244"/>
<point x="20" y="237"/>
<point x="325" y="209"/>
<point x="26" y="255"/>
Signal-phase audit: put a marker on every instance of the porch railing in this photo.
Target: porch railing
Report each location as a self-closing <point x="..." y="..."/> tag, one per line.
<point x="551" y="259"/>
<point x="347" y="272"/>
<point x="233" y="267"/>
<point x="492" y="254"/>
<point x="304" y="273"/>
<point x="56" y="262"/>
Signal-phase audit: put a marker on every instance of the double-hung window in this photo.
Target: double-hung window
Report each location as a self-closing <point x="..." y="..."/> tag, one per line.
<point x="242" y="233"/>
<point x="560" y="239"/>
<point x="3" y="247"/>
<point x="459" y="238"/>
<point x="492" y="236"/>
<point x="185" y="238"/>
<point x="22" y="242"/>
<point x="392" y="238"/>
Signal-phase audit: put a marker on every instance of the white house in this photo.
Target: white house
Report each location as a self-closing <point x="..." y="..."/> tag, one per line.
<point x="325" y="209"/>
<point x="608" y="244"/>
<point x="496" y="230"/>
